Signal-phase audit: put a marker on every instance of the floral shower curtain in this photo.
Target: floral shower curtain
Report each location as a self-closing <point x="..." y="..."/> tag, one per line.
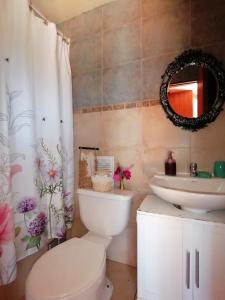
<point x="36" y="135"/>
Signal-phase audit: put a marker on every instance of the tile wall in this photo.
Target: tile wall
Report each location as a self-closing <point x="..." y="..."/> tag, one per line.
<point x="142" y="136"/>
<point x="118" y="53"/>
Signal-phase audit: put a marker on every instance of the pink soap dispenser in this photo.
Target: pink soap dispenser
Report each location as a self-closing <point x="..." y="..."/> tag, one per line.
<point x="170" y="165"/>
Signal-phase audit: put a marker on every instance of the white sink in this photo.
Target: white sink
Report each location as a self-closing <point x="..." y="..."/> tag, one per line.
<point x="195" y="194"/>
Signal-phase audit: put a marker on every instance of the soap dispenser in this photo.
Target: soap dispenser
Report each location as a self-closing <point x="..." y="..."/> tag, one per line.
<point x="170" y="165"/>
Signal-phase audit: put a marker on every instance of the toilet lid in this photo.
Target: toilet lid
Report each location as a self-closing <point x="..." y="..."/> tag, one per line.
<point x="66" y="270"/>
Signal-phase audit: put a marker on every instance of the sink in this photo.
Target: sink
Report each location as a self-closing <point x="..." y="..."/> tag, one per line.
<point x="198" y="195"/>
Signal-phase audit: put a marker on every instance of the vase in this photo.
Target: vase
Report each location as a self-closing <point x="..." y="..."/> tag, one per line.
<point x="122" y="186"/>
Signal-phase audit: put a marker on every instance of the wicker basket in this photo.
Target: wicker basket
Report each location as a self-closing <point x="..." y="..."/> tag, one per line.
<point x="104" y="184"/>
<point x="84" y="179"/>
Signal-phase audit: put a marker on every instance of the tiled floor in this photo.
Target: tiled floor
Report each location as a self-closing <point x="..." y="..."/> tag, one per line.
<point x="123" y="278"/>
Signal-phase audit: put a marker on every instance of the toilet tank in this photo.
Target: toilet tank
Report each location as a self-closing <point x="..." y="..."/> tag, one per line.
<point x="105" y="213"/>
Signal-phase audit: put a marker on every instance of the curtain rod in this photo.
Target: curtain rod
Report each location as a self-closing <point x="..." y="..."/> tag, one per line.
<point x="46" y="21"/>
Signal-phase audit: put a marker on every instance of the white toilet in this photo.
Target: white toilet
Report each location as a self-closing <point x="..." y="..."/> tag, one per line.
<point x="75" y="270"/>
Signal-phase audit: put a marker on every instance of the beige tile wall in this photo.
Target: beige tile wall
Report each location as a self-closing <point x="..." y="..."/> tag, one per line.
<point x="119" y="52"/>
<point x="142" y="136"/>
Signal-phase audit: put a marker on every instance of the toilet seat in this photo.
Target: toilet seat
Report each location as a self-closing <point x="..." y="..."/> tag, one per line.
<point x="66" y="271"/>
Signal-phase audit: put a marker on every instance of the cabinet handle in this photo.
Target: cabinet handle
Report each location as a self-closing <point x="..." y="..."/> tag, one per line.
<point x="197" y="268"/>
<point x="188" y="269"/>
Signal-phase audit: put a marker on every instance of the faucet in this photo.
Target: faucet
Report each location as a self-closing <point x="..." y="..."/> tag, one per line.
<point x="193" y="169"/>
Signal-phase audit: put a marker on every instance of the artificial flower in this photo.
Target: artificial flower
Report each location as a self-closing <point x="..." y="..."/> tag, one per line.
<point x="117" y="177"/>
<point x="121" y="173"/>
<point x="127" y="173"/>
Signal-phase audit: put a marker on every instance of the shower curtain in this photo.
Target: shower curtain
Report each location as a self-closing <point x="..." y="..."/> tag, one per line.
<point x="36" y="135"/>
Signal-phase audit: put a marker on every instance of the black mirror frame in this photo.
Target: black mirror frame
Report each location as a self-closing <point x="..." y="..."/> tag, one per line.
<point x="198" y="58"/>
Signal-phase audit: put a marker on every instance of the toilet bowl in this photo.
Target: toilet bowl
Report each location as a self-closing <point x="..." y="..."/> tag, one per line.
<point x="75" y="270"/>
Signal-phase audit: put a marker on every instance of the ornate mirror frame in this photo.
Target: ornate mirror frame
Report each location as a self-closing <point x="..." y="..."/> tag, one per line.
<point x="189" y="58"/>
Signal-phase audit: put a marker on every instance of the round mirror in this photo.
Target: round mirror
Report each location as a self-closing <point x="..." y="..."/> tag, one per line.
<point x="192" y="92"/>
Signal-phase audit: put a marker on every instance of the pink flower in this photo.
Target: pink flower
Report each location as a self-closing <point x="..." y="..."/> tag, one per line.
<point x="7" y="233"/>
<point x="53" y="175"/>
<point x="14" y="169"/>
<point x="40" y="166"/>
<point x="121" y="173"/>
<point x="38" y="163"/>
<point x="117" y="177"/>
<point x="127" y="173"/>
<point x="118" y="171"/>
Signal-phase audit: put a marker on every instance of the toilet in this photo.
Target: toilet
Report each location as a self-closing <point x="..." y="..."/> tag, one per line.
<point x="75" y="270"/>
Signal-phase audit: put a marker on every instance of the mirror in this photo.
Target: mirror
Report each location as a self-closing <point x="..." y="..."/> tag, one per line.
<point x="192" y="92"/>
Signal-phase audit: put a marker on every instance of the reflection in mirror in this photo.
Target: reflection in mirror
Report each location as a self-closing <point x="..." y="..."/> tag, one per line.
<point x="192" y="91"/>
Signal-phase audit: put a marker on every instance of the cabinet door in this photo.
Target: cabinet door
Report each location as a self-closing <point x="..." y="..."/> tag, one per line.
<point x="188" y="260"/>
<point x="209" y="270"/>
<point x="159" y="258"/>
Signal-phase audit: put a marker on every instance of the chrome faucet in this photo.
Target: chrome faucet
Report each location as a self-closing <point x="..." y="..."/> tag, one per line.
<point x="193" y="169"/>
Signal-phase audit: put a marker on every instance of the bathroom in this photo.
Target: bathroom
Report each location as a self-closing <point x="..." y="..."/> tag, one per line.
<point x="118" y="52"/>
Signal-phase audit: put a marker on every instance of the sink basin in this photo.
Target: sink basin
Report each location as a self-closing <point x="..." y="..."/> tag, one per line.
<point x="198" y="195"/>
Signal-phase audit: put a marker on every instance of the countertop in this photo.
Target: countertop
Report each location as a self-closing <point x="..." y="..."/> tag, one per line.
<point x="154" y="205"/>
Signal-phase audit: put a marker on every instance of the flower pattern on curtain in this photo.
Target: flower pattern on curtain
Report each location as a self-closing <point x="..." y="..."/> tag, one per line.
<point x="36" y="136"/>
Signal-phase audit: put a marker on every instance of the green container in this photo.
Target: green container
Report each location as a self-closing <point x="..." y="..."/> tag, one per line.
<point x="204" y="174"/>
<point x="219" y="169"/>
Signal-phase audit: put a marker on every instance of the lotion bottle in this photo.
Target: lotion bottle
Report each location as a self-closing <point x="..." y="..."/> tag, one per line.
<point x="170" y="165"/>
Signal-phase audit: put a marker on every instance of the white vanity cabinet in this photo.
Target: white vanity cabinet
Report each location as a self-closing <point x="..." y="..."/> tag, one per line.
<point x="209" y="260"/>
<point x="181" y="256"/>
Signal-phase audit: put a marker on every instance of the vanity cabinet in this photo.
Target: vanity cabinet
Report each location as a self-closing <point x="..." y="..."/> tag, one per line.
<point x="209" y="261"/>
<point x="180" y="256"/>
